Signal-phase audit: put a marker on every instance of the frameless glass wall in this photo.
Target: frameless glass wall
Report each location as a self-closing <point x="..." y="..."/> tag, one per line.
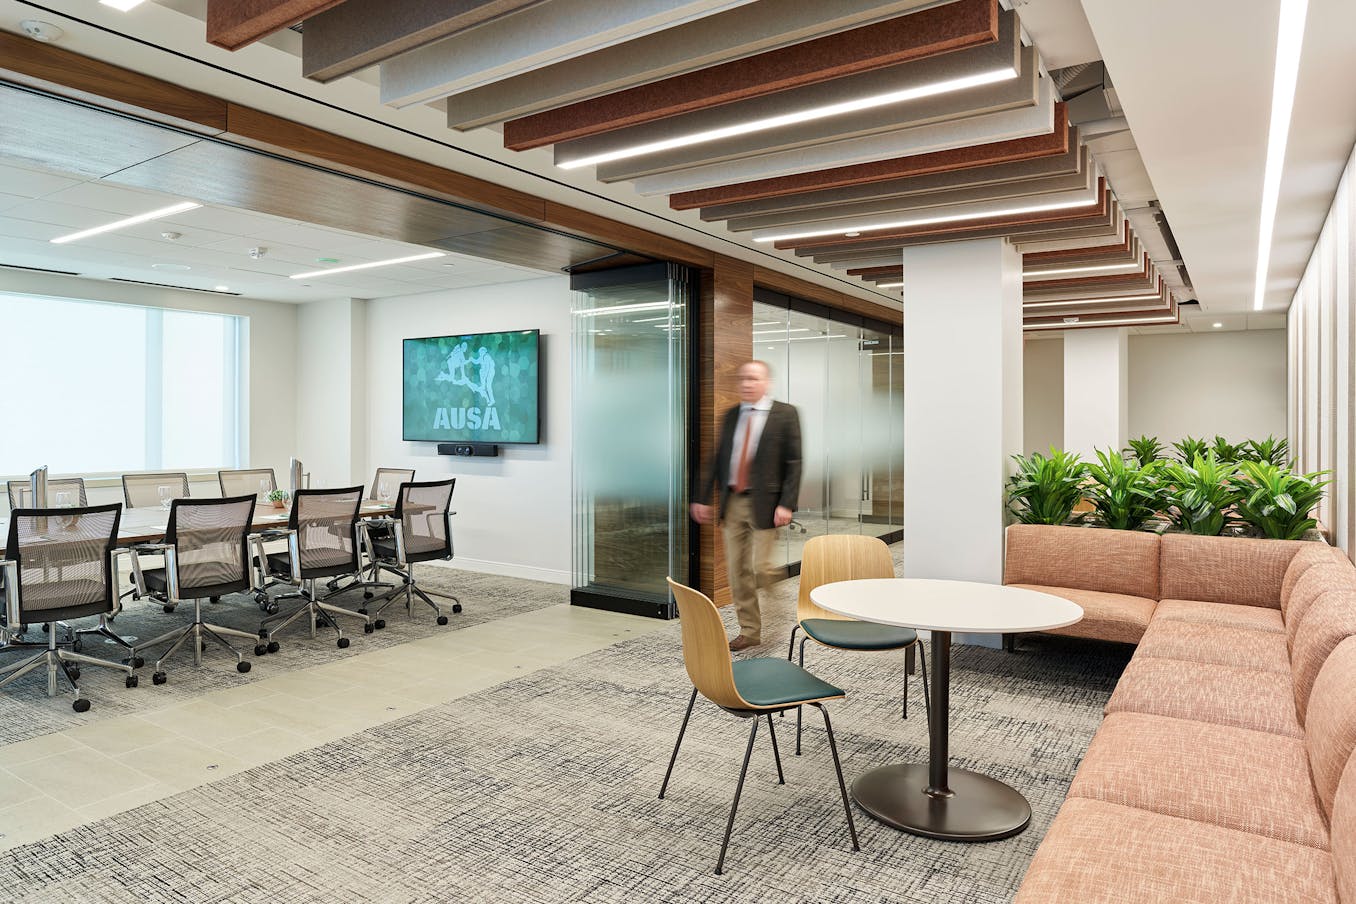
<point x="846" y="380"/>
<point x="630" y="400"/>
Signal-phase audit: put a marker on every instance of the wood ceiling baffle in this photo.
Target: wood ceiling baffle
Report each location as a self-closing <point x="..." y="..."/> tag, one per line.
<point x="232" y="24"/>
<point x="955" y="26"/>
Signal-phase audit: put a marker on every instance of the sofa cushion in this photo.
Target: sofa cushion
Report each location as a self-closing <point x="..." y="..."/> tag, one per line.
<point x="1110" y="561"/>
<point x="1242" y="647"/>
<point x="1328" y="622"/>
<point x="1232" y="777"/>
<point x="1254" y="618"/>
<point x="1106" y="616"/>
<point x="1310" y="554"/>
<point x="1103" y="853"/>
<point x="1224" y="569"/>
<point x="1314" y="583"/>
<point x="1343" y="833"/>
<point x="1224" y="695"/>
<point x="1330" y="722"/>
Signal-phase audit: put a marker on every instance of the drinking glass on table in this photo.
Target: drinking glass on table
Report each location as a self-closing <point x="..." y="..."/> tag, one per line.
<point x="384" y="492"/>
<point x="63" y="500"/>
<point x="264" y="488"/>
<point x="166" y="496"/>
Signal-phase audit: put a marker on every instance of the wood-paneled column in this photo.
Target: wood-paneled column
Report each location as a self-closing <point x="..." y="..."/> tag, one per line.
<point x="724" y="341"/>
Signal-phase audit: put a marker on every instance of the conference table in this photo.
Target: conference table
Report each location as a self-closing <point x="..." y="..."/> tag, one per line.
<point x="936" y="800"/>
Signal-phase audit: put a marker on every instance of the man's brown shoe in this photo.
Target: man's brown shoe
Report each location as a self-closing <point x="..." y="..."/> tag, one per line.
<point x="741" y="643"/>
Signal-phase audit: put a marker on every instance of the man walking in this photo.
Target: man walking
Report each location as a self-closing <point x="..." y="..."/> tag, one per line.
<point x="757" y="468"/>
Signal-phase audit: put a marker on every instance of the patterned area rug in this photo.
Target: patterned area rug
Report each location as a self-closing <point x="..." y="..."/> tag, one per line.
<point x="26" y="711"/>
<point x="545" y="789"/>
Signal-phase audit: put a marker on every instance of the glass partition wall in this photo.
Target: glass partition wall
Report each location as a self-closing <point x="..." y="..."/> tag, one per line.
<point x="630" y="400"/>
<point x="846" y="380"/>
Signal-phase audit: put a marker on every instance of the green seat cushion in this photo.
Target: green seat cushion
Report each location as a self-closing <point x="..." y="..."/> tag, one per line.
<point x="773" y="682"/>
<point x="858" y="635"/>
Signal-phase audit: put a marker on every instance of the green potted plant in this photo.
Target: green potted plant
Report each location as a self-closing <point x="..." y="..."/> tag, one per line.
<point x="1045" y="490"/>
<point x="1190" y="448"/>
<point x="1146" y="449"/>
<point x="278" y="498"/>
<point x="1201" y="494"/>
<point x="1124" y="494"/>
<point x="1277" y="501"/>
<point x="1271" y="450"/>
<point x="1224" y="451"/>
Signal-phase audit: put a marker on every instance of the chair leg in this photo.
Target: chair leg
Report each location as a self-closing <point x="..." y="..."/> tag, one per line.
<point x="1010" y="643"/>
<point x="739" y="789"/>
<point x="682" y="731"/>
<point x="927" y="696"/>
<point x="790" y="650"/>
<point x="798" y="708"/>
<point x="838" y="768"/>
<point x="776" y="754"/>
<point x="908" y="667"/>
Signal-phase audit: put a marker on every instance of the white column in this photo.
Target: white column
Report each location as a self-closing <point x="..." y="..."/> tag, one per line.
<point x="1096" y="390"/>
<point x="962" y="407"/>
<point x="332" y="391"/>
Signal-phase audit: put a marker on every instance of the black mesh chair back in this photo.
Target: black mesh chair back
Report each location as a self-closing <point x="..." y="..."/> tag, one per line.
<point x="21" y="492"/>
<point x="211" y="543"/>
<point x="152" y="489"/>
<point x="325" y="522"/>
<point x="257" y="481"/>
<point x="422" y="509"/>
<point x="63" y="562"/>
<point x="389" y="479"/>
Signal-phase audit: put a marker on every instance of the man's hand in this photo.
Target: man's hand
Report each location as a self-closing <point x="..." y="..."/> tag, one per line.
<point x="781" y="517"/>
<point x="700" y="513"/>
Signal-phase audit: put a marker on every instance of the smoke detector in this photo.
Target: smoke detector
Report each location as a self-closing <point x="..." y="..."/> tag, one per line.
<point x="258" y="253"/>
<point x="41" y="31"/>
<point x="171" y="236"/>
<point x="1070" y="319"/>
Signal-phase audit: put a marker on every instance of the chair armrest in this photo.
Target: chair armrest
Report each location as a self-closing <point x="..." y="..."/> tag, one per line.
<point x="136" y="550"/>
<point x="274" y="533"/>
<point x="10" y="570"/>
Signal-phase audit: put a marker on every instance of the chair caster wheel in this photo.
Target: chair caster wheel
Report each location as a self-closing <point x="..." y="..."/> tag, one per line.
<point x="242" y="666"/>
<point x="260" y="649"/>
<point x="379" y="623"/>
<point x="271" y="609"/>
<point x="214" y="599"/>
<point x="263" y="633"/>
<point x="167" y="608"/>
<point x="135" y="662"/>
<point x="46" y="628"/>
<point x="456" y="608"/>
<point x="362" y="610"/>
<point x="368" y="594"/>
<point x="442" y="619"/>
<point x="81" y="705"/>
<point x="273" y="646"/>
<point x="74" y="672"/>
<point x="132" y="681"/>
<point x="76" y="646"/>
<point x="159" y="678"/>
<point x="343" y="643"/>
<point x="367" y="628"/>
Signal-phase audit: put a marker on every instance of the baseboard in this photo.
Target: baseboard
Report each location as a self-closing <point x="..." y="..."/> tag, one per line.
<point x="509" y="570"/>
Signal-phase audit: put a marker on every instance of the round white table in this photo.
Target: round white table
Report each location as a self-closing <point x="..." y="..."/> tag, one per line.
<point x="935" y="800"/>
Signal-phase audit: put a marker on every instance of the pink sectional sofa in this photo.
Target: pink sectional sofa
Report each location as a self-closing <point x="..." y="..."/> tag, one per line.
<point x="1223" y="771"/>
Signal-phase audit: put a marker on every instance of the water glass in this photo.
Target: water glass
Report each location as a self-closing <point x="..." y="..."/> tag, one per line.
<point x="384" y="492"/>
<point x="166" y="496"/>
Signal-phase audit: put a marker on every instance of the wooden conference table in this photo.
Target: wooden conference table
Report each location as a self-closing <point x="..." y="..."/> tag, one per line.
<point x="935" y="800"/>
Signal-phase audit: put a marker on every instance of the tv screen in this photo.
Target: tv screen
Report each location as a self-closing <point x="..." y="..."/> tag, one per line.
<point x="477" y="388"/>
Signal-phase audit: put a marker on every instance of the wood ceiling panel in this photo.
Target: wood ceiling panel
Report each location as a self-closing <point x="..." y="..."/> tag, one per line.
<point x="787" y="285"/>
<point x="1052" y="144"/>
<point x="954" y="26"/>
<point x="527" y="246"/>
<point x="232" y="24"/>
<point x="1137" y="277"/>
<point x="1051" y="257"/>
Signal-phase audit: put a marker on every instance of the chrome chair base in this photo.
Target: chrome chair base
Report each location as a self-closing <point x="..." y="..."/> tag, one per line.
<point x="317" y="610"/>
<point x="105" y="631"/>
<point x="197" y="630"/>
<point x="63" y="663"/>
<point x="409" y="589"/>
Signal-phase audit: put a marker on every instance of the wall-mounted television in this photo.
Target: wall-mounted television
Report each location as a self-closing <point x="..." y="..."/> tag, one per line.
<point x="476" y="388"/>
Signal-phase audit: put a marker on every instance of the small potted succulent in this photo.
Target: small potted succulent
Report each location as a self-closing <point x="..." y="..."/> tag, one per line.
<point x="278" y="498"/>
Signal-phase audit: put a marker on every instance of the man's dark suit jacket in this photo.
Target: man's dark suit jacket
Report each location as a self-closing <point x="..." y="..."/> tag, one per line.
<point x="774" y="472"/>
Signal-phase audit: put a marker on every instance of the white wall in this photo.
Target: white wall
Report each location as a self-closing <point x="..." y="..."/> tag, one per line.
<point x="332" y="387"/>
<point x="514" y="512"/>
<point x="1096" y="391"/>
<point x="1228" y="383"/>
<point x="271" y="345"/>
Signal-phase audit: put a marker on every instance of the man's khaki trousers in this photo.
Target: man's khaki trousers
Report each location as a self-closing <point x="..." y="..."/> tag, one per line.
<point x="748" y="561"/>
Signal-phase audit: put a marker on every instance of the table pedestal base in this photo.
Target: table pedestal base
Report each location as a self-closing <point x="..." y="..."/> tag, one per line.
<point x="979" y="808"/>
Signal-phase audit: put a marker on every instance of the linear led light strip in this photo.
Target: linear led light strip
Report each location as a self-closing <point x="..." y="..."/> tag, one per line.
<point x="1289" y="41"/>
<point x="1030" y="274"/>
<point x="369" y="265"/>
<point x="1057" y="304"/>
<point x="854" y="231"/>
<point x="624" y="308"/>
<point x="1121" y="322"/>
<point x="129" y="221"/>
<point x="787" y="119"/>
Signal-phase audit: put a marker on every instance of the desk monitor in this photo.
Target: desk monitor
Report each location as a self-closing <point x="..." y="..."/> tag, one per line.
<point x="476" y="388"/>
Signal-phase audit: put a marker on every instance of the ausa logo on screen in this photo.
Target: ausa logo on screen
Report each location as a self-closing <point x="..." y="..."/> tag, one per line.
<point x="475" y="417"/>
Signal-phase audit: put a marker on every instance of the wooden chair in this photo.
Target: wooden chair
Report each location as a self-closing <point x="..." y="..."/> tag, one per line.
<point x="747" y="688"/>
<point x="850" y="557"/>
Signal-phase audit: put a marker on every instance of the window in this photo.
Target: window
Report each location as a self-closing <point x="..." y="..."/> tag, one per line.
<point x="98" y="388"/>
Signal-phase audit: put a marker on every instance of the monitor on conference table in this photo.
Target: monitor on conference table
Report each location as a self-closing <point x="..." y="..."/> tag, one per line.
<point x="474" y="388"/>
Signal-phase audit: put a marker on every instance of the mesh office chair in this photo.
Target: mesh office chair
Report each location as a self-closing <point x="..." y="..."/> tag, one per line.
<point x="152" y="489"/>
<point x="322" y="542"/>
<point x="258" y="481"/>
<point x="21" y="492"/>
<point x="206" y="551"/>
<point x="385" y="487"/>
<point x="58" y="565"/>
<point x="421" y="531"/>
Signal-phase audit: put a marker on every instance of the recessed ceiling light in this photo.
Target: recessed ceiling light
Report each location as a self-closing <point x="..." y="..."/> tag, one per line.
<point x="327" y="260"/>
<point x="1128" y="321"/>
<point x="221" y="288"/>
<point x="129" y="221"/>
<point x="1056" y="304"/>
<point x="928" y="221"/>
<point x="121" y="5"/>
<point x="369" y="265"/>
<point x="786" y="119"/>
<point x="1289" y="42"/>
<point x="1217" y="325"/>
<point x="890" y="285"/>
<point x="177" y="268"/>
<point x="1099" y="269"/>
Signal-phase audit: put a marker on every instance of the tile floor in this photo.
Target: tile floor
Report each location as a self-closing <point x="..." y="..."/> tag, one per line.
<point x="59" y="781"/>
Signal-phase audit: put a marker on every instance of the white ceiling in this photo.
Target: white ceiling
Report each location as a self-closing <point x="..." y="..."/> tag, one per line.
<point x="213" y="246"/>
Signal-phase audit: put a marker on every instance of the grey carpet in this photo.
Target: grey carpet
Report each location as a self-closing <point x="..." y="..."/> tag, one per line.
<point x="26" y="711"/>
<point x="544" y="789"/>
